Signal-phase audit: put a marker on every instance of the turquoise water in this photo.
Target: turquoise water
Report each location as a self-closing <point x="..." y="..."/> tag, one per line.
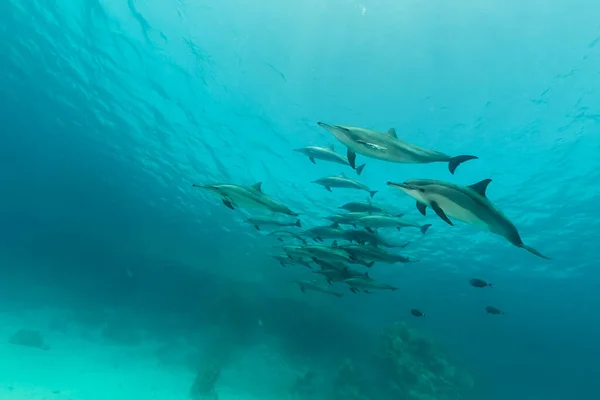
<point x="111" y="110"/>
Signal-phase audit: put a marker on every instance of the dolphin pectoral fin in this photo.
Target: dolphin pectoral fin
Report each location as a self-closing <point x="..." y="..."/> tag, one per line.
<point x="257" y="227"/>
<point x="228" y="203"/>
<point x="372" y="193"/>
<point x="441" y="213"/>
<point x="456" y="161"/>
<point x="303" y="289"/>
<point x="424" y="228"/>
<point x="369" y="264"/>
<point x="312" y="160"/>
<point x="360" y="168"/>
<point x="328" y="188"/>
<point x="422" y="208"/>
<point x="534" y="251"/>
<point x="353" y="290"/>
<point x="369" y="229"/>
<point x="351" y="158"/>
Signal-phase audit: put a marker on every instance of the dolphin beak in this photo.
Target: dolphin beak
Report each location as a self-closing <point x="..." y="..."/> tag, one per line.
<point x="324" y="125"/>
<point x="399" y="185"/>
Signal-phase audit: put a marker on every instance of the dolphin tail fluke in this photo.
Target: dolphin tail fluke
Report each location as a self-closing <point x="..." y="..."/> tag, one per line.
<point x="456" y="161"/>
<point x="534" y="251"/>
<point x="360" y="168"/>
<point x="373" y="193"/>
<point x="298" y="224"/>
<point x="424" y="228"/>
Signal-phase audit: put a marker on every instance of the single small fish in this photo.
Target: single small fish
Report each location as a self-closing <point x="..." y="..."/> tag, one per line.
<point x="479" y="283"/>
<point x="468" y="204"/>
<point x="387" y="147"/>
<point x="259" y="221"/>
<point x="341" y="181"/>
<point x="249" y="197"/>
<point x="281" y="235"/>
<point x="389" y="221"/>
<point x="493" y="310"/>
<point x="316" y="287"/>
<point x="327" y="154"/>
<point x="417" y="313"/>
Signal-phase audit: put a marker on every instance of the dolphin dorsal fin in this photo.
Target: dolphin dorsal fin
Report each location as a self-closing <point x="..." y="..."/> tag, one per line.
<point x="392" y="133"/>
<point x="331" y="147"/>
<point x="366" y="274"/>
<point x="334" y="225"/>
<point x="480" y="187"/>
<point x="257" y="186"/>
<point x="334" y="244"/>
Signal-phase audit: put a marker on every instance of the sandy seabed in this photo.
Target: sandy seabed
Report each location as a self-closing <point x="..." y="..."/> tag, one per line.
<point x="79" y="369"/>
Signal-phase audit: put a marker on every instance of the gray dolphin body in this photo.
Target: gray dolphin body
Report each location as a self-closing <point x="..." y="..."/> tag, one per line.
<point x="387" y="147"/>
<point x="281" y="235"/>
<point x="248" y="197"/>
<point x="468" y="204"/>
<point x="366" y="207"/>
<point x="389" y="221"/>
<point x="374" y="253"/>
<point x="319" y="233"/>
<point x="365" y="284"/>
<point x="341" y="181"/>
<point x="327" y="154"/>
<point x="316" y="287"/>
<point x="259" y="221"/>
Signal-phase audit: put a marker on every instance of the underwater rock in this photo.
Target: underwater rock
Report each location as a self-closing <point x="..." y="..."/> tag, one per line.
<point x="418" y="368"/>
<point x="204" y="384"/>
<point x="29" y="338"/>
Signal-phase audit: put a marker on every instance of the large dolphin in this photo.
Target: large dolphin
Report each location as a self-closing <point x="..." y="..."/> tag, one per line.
<point x="387" y="147"/>
<point x="468" y="204"/>
<point x="246" y="196"/>
<point x="327" y="154"/>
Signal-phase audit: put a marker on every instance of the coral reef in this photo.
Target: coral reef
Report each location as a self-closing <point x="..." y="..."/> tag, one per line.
<point x="29" y="338"/>
<point x="417" y="368"/>
<point x="204" y="384"/>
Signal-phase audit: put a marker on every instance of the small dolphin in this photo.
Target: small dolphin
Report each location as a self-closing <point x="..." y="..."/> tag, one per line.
<point x="315" y="286"/>
<point x="250" y="197"/>
<point x="365" y="284"/>
<point x="347" y="218"/>
<point x="341" y="181"/>
<point x="363" y="207"/>
<point x="372" y="238"/>
<point x="328" y="253"/>
<point x="259" y="221"/>
<point x="493" y="310"/>
<point x="479" y="283"/>
<point x="332" y="231"/>
<point x="387" y="147"/>
<point x="389" y="221"/>
<point x="465" y="203"/>
<point x="280" y="235"/>
<point x="374" y="253"/>
<point x="327" y="154"/>
<point x="336" y="275"/>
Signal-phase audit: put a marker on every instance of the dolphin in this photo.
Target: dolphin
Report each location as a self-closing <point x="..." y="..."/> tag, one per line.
<point x="366" y="207"/>
<point x="374" y="253"/>
<point x="468" y="204"/>
<point x="266" y="220"/>
<point x="341" y="181"/>
<point x="327" y="154"/>
<point x="327" y="253"/>
<point x="332" y="231"/>
<point x="347" y="218"/>
<point x="365" y="284"/>
<point x="388" y="221"/>
<point x="387" y="147"/>
<point x="373" y="238"/>
<point x="280" y="235"/>
<point x="249" y="197"/>
<point x="314" y="285"/>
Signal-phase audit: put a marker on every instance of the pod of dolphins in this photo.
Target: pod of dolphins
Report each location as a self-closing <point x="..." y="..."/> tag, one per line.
<point x="468" y="204"/>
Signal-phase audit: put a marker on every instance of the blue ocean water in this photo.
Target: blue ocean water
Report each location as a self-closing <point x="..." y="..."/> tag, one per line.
<point x="110" y="110"/>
